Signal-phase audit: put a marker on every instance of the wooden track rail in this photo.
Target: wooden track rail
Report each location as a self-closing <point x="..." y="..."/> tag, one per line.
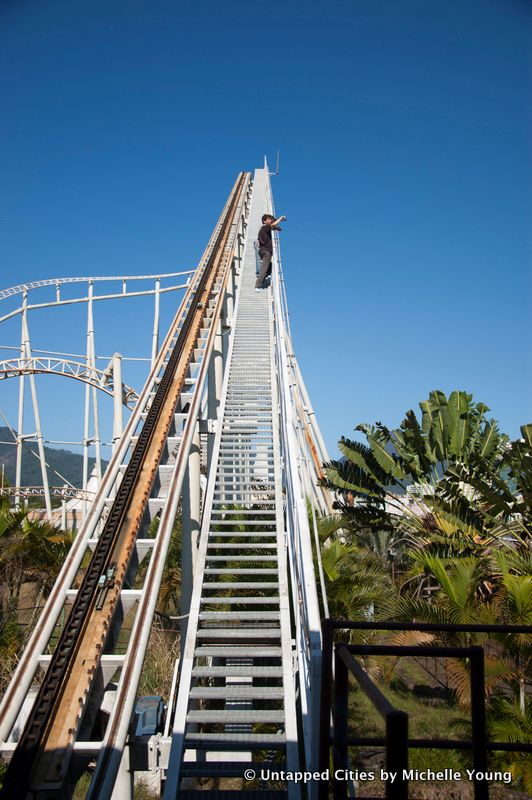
<point x="42" y="752"/>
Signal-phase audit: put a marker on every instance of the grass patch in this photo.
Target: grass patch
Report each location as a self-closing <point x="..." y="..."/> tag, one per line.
<point x="161" y="654"/>
<point x="430" y="710"/>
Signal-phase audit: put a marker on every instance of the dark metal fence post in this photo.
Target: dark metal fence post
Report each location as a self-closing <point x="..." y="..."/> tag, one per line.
<point x="478" y="721"/>
<point x="341" y="716"/>
<point x="325" y="706"/>
<point x="396" y="739"/>
<point x="397" y="754"/>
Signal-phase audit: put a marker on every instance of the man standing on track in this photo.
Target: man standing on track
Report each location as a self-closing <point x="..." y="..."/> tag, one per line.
<point x="269" y="224"/>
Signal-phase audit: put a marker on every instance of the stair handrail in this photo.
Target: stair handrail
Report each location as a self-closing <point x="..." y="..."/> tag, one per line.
<point x="299" y="544"/>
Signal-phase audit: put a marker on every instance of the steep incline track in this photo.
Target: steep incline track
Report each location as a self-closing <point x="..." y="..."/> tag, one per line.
<point x="55" y="716"/>
<point x="225" y="387"/>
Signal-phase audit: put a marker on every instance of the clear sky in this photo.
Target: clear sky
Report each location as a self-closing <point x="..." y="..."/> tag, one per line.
<point x="405" y="134"/>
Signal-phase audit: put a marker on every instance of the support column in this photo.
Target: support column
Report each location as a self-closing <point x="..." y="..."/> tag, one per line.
<point x="86" y="418"/>
<point x="191" y="526"/>
<point x="64" y="509"/>
<point x="118" y="420"/>
<point x="92" y="362"/>
<point x="37" y="417"/>
<point x="87" y="439"/>
<point x="215" y="381"/>
<point x="155" y="335"/>
<point x="20" y="422"/>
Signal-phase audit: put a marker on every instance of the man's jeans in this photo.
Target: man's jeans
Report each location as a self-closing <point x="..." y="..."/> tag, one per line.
<point x="265" y="268"/>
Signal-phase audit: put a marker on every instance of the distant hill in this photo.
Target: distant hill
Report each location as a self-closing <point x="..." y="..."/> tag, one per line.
<point x="64" y="461"/>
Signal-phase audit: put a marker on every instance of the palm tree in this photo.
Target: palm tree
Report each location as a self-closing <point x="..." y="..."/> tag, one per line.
<point x="506" y="722"/>
<point x="467" y="591"/>
<point x="357" y="584"/>
<point x="512" y="600"/>
<point x="504" y="495"/>
<point x="450" y="482"/>
<point x="509" y="722"/>
<point x="31" y="551"/>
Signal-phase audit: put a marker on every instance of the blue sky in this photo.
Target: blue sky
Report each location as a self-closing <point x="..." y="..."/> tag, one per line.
<point x="405" y="134"/>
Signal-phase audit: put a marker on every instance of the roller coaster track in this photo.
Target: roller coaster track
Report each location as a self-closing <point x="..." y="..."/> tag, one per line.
<point x="245" y="690"/>
<point x="14" y="367"/>
<point x="57" y="282"/>
<point x="40" y="755"/>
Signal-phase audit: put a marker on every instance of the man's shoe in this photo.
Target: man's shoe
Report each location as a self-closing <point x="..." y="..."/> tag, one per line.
<point x="258" y="289"/>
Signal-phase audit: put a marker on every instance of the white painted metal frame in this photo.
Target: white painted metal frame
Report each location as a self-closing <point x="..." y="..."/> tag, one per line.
<point x="295" y="466"/>
<point x="28" y="366"/>
<point x="34" y="654"/>
<point x="67" y="368"/>
<point x="113" y="746"/>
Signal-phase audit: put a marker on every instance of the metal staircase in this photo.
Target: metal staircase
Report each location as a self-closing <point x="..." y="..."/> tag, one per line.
<point x="237" y="689"/>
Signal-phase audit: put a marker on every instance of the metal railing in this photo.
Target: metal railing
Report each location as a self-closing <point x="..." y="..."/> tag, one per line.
<point x="396" y="741"/>
<point x="297" y="486"/>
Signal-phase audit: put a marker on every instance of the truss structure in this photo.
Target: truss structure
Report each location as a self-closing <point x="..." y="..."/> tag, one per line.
<point x="224" y="386"/>
<point x="36" y="296"/>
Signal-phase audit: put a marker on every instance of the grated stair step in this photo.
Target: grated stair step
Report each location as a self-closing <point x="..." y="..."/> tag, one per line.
<point x="230" y="671"/>
<point x="232" y="794"/>
<point x="258" y="585"/>
<point x="238" y="633"/>
<point x="237" y="692"/>
<point x="238" y="652"/>
<point x="235" y="741"/>
<point x="215" y="571"/>
<point x="242" y="545"/>
<point x="232" y="600"/>
<point x="258" y="614"/>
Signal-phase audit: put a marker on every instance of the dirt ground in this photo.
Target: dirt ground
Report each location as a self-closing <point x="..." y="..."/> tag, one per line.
<point x="446" y="790"/>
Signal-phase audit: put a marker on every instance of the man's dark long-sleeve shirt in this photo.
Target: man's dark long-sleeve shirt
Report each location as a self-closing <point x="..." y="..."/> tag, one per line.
<point x="265" y="239"/>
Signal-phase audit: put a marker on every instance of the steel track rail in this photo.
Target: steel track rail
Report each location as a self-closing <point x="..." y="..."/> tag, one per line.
<point x="55" y="282"/>
<point x="19" y="686"/>
<point x="41" y="718"/>
<point x="116" y="732"/>
<point x="66" y="368"/>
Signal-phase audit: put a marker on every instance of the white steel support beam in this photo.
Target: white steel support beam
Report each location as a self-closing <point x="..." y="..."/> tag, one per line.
<point x="91" y="361"/>
<point x="86" y="417"/>
<point x="191" y="525"/>
<point x="156" y="315"/>
<point x="37" y="417"/>
<point x="66" y="368"/>
<point x="292" y="749"/>
<point x="20" y="424"/>
<point x="215" y="380"/>
<point x="118" y="420"/>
